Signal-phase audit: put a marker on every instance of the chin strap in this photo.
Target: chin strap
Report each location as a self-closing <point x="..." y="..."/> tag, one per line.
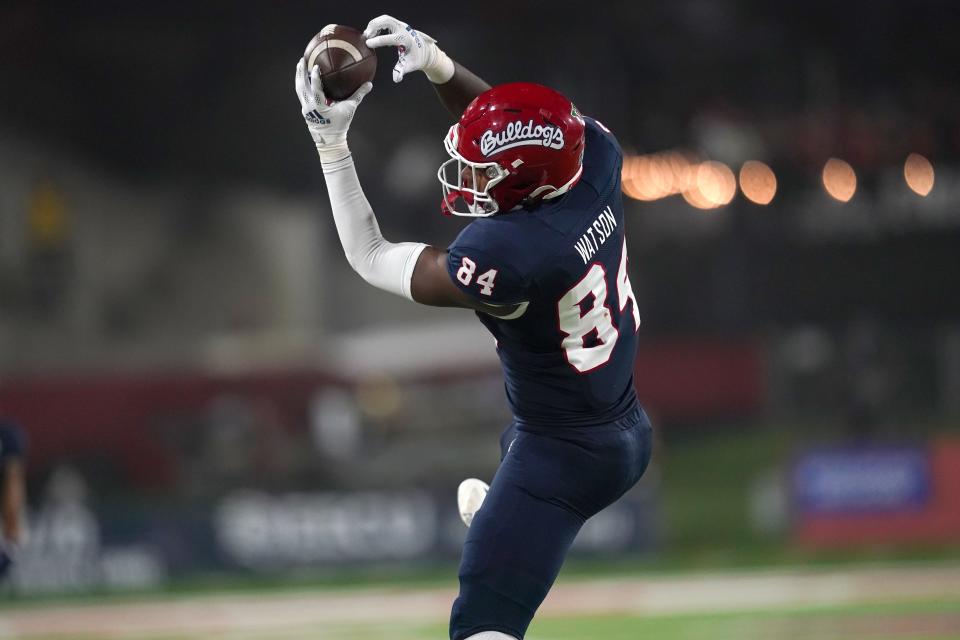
<point x="386" y="265"/>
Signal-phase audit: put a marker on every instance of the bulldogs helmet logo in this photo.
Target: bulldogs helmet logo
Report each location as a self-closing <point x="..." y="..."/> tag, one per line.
<point x="518" y="134"/>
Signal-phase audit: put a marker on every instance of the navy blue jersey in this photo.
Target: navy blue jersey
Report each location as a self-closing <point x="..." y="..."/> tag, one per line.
<point x="568" y="359"/>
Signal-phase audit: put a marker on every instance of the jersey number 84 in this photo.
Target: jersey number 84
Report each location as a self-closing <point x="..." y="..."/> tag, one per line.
<point x="575" y="323"/>
<point x="578" y="324"/>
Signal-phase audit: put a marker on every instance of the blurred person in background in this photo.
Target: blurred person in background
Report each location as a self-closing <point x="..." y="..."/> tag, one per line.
<point x="868" y="378"/>
<point x="12" y="492"/>
<point x="544" y="266"/>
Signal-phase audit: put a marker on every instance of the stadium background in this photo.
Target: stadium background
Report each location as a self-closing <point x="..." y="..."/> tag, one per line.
<point x="215" y="401"/>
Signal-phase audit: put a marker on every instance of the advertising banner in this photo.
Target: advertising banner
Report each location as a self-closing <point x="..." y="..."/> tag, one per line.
<point x="877" y="495"/>
<point x="77" y="547"/>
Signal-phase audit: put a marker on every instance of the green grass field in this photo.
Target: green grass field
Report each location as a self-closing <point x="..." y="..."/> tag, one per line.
<point x="896" y="621"/>
<point x="927" y="620"/>
<point x="874" y="603"/>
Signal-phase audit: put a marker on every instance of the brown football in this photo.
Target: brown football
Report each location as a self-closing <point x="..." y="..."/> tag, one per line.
<point x="344" y="58"/>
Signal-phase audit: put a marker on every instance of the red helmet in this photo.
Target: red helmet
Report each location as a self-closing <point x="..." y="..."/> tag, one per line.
<point x="524" y="138"/>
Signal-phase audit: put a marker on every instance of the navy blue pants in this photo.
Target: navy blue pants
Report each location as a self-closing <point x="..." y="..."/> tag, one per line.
<point x="548" y="483"/>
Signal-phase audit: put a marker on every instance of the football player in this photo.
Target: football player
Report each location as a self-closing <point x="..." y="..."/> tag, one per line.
<point x="544" y="266"/>
<point x="11" y="492"/>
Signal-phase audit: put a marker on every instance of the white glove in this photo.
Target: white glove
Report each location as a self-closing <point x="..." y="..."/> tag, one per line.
<point x="327" y="121"/>
<point x="416" y="50"/>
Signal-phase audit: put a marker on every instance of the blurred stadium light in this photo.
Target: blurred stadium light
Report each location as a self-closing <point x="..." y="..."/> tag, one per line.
<point x="716" y="183"/>
<point x="839" y="179"/>
<point x="918" y="173"/>
<point x="757" y="182"/>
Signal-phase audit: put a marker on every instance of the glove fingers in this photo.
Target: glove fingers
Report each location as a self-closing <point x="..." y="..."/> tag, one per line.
<point x="316" y="86"/>
<point x="380" y="22"/>
<point x="302" y="85"/>
<point x="382" y="41"/>
<point x="361" y="93"/>
<point x="399" y="70"/>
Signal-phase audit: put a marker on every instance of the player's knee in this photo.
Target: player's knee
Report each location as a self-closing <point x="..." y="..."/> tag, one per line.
<point x="491" y="635"/>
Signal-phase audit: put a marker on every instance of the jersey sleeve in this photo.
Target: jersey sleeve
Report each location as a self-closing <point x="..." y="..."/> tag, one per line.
<point x="12" y="442"/>
<point x="599" y="131"/>
<point x="485" y="272"/>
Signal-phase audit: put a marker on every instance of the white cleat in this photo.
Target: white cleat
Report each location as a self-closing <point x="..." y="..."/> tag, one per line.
<point x="470" y="497"/>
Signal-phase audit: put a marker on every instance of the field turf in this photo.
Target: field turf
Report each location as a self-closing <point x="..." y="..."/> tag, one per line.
<point x="875" y="603"/>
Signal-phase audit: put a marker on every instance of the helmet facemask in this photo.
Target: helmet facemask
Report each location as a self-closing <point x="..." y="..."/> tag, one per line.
<point x="479" y="202"/>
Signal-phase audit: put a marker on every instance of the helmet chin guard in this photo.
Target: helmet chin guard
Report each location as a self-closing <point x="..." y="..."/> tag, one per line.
<point x="479" y="203"/>
<point x="515" y="145"/>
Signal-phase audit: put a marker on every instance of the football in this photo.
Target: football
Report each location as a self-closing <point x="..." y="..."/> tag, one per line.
<point x="345" y="61"/>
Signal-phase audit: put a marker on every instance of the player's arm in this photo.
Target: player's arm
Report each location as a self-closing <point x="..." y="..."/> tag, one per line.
<point x="410" y="269"/>
<point x="11" y="502"/>
<point x="11" y="506"/>
<point x="460" y="90"/>
<point x="433" y="285"/>
<point x="456" y="86"/>
<point x="12" y="494"/>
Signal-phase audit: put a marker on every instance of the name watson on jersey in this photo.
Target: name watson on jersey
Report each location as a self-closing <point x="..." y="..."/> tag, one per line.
<point x="597" y="233"/>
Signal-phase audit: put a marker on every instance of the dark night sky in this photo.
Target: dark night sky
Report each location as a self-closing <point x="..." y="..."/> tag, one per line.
<point x="203" y="91"/>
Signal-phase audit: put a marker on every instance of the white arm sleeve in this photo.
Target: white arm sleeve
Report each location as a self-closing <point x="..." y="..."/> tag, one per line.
<point x="383" y="264"/>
